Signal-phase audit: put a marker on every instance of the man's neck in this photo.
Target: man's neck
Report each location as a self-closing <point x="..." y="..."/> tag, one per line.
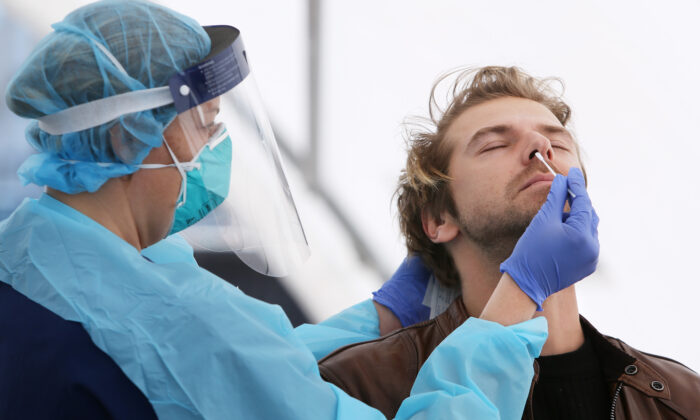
<point x="480" y="273"/>
<point x="565" y="332"/>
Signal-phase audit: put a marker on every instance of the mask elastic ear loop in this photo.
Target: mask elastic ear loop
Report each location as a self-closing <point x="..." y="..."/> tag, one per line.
<point x="183" y="186"/>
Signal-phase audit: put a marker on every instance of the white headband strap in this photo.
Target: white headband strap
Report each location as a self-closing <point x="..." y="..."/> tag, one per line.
<point x="101" y="111"/>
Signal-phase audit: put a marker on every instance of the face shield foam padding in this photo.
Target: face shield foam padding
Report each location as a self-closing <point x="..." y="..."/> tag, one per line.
<point x="70" y="67"/>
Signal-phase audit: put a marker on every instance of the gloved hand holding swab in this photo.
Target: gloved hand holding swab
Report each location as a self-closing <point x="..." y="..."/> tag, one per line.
<point x="556" y="252"/>
<point x="539" y="156"/>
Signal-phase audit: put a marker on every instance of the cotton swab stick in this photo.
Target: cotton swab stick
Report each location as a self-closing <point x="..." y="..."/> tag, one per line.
<point x="539" y="156"/>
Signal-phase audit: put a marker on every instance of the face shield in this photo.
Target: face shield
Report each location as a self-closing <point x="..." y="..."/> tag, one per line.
<point x="234" y="194"/>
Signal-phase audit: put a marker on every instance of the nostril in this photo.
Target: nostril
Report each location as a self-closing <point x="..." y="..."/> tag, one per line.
<point x="532" y="155"/>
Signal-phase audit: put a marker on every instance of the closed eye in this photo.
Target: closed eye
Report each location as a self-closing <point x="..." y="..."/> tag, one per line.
<point x="492" y="147"/>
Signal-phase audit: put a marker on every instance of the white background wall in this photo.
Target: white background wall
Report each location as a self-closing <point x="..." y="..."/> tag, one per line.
<point x="631" y="72"/>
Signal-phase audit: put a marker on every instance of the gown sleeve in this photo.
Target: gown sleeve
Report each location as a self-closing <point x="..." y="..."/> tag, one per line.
<point x="353" y="325"/>
<point x="482" y="370"/>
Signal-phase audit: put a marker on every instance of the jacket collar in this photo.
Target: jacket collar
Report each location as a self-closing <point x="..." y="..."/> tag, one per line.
<point x="619" y="365"/>
<point x="613" y="360"/>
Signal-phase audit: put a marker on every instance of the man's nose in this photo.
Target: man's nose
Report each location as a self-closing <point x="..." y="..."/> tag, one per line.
<point x="535" y="142"/>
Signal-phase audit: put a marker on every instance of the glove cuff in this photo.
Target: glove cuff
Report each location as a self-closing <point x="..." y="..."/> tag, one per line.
<point x="532" y="291"/>
<point x="407" y="314"/>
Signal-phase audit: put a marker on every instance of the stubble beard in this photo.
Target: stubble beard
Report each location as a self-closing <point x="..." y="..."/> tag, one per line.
<point x="496" y="227"/>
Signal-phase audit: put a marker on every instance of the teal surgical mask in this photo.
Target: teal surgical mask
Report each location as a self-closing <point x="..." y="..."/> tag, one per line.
<point x="205" y="181"/>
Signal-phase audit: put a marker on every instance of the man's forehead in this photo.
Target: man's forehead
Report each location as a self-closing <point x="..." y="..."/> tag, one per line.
<point x="502" y="114"/>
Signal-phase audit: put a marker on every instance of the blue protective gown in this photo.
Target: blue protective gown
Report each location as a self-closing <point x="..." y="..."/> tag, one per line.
<point x="197" y="347"/>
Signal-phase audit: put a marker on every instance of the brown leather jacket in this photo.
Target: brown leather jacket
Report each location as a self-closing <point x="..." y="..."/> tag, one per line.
<point x="381" y="372"/>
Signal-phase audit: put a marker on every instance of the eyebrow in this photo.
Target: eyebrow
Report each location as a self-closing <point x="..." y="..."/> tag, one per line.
<point x="483" y="132"/>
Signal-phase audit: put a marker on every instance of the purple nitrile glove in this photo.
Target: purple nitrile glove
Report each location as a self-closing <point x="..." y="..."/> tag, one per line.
<point x="403" y="293"/>
<point x="557" y="249"/>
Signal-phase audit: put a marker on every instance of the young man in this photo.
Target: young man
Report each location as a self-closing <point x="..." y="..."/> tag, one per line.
<point x="469" y="191"/>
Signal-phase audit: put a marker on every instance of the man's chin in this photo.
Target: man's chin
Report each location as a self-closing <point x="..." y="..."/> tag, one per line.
<point x="499" y="227"/>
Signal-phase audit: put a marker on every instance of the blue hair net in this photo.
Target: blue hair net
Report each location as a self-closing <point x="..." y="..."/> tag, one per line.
<point x="69" y="68"/>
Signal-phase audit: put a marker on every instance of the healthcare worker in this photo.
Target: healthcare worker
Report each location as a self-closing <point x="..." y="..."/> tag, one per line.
<point x="146" y="123"/>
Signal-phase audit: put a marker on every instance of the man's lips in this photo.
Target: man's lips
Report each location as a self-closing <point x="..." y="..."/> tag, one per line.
<point x="538" y="178"/>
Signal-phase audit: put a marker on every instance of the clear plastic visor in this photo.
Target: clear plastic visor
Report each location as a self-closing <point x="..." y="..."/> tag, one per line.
<point x="240" y="176"/>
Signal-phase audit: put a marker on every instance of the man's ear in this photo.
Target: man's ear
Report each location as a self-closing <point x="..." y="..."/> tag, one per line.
<point x="440" y="229"/>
